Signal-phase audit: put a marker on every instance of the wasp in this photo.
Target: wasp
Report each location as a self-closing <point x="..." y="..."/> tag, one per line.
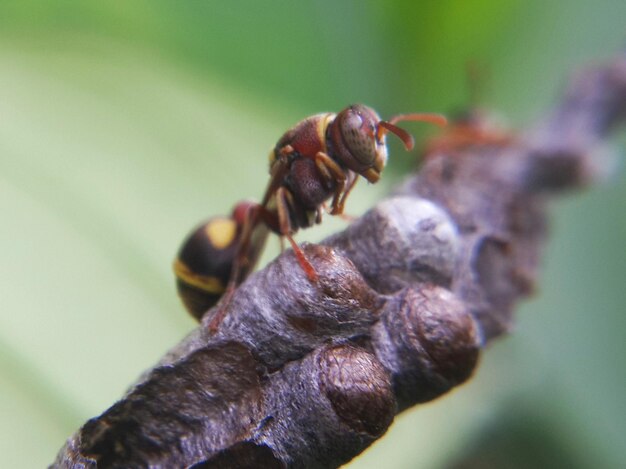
<point x="316" y="161"/>
<point x="471" y="127"/>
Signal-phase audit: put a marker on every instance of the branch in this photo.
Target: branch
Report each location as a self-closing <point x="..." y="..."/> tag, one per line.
<point x="309" y="375"/>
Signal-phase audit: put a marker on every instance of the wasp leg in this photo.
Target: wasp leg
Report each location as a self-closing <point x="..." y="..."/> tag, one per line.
<point x="334" y="173"/>
<point x="249" y="250"/>
<point x="271" y="220"/>
<point x="222" y="308"/>
<point x="282" y="206"/>
<point x="346" y="193"/>
<point x="337" y="207"/>
<point x="344" y="216"/>
<point x="318" y="213"/>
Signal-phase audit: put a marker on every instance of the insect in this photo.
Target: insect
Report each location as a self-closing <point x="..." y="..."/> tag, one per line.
<point x="317" y="160"/>
<point x="205" y="260"/>
<point x="473" y="125"/>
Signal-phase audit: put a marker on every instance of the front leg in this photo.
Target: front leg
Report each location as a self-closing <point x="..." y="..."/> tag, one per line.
<point x="350" y="185"/>
<point x="253" y="236"/>
<point x="332" y="172"/>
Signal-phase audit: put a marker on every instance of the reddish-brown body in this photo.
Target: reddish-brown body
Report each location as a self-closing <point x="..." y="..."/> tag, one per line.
<point x="303" y="180"/>
<point x="308" y="136"/>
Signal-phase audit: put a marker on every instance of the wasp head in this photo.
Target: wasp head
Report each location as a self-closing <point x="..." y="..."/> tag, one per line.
<point x="358" y="138"/>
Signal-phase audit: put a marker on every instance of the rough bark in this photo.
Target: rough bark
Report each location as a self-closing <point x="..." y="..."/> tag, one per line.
<point x="309" y="375"/>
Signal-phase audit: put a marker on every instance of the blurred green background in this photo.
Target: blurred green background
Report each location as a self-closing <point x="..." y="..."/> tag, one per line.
<point x="123" y="124"/>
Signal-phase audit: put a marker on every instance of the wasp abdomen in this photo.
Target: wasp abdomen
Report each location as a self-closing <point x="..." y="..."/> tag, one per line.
<point x="204" y="264"/>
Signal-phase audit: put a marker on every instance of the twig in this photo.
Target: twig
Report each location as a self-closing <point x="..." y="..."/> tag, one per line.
<point x="309" y="375"/>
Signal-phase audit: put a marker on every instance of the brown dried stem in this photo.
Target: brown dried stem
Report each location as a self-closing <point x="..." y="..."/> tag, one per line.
<point x="309" y="375"/>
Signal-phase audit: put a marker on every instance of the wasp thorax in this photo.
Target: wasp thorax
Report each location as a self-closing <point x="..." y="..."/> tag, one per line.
<point x="361" y="148"/>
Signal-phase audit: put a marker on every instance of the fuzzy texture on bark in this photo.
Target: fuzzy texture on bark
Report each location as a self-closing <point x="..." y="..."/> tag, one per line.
<point x="308" y="375"/>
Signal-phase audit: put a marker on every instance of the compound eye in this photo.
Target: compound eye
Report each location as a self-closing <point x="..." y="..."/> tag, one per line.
<point x="359" y="136"/>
